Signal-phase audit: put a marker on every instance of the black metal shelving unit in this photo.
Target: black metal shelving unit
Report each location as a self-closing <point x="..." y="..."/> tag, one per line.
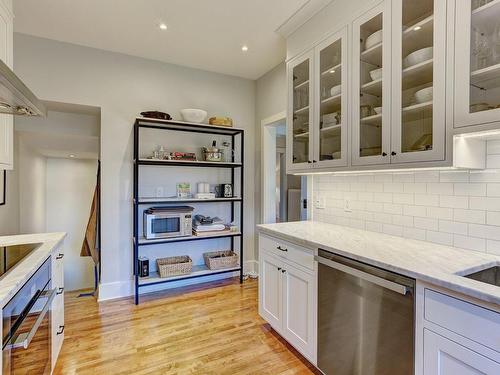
<point x="170" y="125"/>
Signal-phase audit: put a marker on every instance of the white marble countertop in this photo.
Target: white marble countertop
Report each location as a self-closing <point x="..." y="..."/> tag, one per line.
<point x="12" y="281"/>
<point x="425" y="261"/>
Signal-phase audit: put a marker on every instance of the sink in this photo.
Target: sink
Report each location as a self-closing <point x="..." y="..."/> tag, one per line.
<point x="489" y="275"/>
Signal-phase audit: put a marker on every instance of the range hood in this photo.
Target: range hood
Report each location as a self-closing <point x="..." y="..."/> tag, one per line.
<point x="15" y="97"/>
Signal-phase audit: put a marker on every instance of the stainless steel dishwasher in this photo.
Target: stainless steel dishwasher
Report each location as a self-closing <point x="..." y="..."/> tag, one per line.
<point x="365" y="318"/>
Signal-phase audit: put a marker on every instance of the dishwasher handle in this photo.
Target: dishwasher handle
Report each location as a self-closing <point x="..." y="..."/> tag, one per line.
<point x="387" y="284"/>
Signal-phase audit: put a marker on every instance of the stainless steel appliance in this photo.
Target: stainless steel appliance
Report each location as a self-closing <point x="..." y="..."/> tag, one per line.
<point x="11" y="255"/>
<point x="167" y="222"/>
<point x="365" y="318"/>
<point x="26" y="326"/>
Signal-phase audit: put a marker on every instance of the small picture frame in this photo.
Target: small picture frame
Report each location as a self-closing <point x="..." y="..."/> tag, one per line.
<point x="183" y="190"/>
<point x="3" y="186"/>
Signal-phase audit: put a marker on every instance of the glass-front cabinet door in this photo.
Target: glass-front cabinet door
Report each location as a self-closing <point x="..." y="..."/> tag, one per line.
<point x="419" y="53"/>
<point x="330" y="101"/>
<point x="371" y="87"/>
<point x="300" y="113"/>
<point x="477" y="65"/>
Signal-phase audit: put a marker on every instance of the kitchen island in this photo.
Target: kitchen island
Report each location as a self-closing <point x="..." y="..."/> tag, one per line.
<point x="456" y="319"/>
<point x="38" y="276"/>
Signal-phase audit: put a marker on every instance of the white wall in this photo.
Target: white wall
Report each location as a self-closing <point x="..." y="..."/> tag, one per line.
<point x="456" y="208"/>
<point x="123" y="86"/>
<point x="70" y="188"/>
<point x="9" y="213"/>
<point x="32" y="189"/>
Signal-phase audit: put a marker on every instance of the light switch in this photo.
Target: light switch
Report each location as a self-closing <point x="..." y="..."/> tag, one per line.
<point x="347" y="205"/>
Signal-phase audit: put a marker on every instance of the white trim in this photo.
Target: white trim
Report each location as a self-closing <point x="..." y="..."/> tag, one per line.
<point x="114" y="290"/>
<point x="301" y="16"/>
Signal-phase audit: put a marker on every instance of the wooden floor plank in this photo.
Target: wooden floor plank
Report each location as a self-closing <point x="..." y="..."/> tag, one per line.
<point x="205" y="329"/>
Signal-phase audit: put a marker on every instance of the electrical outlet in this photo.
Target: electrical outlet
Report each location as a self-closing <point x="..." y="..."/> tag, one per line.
<point x="320" y="203"/>
<point x="347" y="205"/>
<point x="159" y="192"/>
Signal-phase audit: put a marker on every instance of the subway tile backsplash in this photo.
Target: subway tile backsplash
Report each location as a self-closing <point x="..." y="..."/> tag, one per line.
<point x="455" y="208"/>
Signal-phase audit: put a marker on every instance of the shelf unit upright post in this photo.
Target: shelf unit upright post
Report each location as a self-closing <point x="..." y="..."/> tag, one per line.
<point x="171" y="125"/>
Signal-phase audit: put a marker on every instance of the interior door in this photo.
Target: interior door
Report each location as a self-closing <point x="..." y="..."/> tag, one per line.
<point x="270" y="284"/>
<point x="445" y="357"/>
<point x="419" y="71"/>
<point x="300" y="113"/>
<point x="330" y="102"/>
<point x="371" y="87"/>
<point x="299" y="309"/>
<point x="477" y="66"/>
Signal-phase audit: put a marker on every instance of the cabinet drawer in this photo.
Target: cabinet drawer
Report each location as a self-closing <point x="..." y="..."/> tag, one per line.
<point x="57" y="270"/>
<point x="466" y="319"/>
<point x="287" y="250"/>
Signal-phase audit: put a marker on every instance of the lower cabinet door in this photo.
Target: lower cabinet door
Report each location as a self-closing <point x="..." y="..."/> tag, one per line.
<point x="299" y="310"/>
<point x="57" y="327"/>
<point x="270" y="290"/>
<point x="445" y="357"/>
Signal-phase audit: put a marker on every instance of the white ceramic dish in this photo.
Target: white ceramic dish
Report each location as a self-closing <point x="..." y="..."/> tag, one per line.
<point x="418" y="56"/>
<point x="193" y="115"/>
<point x="424" y="95"/>
<point x="373" y="39"/>
<point x="378" y="110"/>
<point x="335" y="90"/>
<point x="376" y="74"/>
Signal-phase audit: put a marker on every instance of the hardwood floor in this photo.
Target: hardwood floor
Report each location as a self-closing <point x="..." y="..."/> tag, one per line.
<point x="196" y="330"/>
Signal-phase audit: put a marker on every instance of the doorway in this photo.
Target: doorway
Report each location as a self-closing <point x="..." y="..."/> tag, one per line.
<point x="284" y="196"/>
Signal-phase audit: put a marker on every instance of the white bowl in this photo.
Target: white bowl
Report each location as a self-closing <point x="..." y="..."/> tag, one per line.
<point x="373" y="39"/>
<point x="193" y="115"/>
<point x="378" y="110"/>
<point x="376" y="74"/>
<point x="418" y="56"/>
<point x="424" y="95"/>
<point x="335" y="90"/>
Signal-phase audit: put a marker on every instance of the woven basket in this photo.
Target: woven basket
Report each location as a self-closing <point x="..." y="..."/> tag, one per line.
<point x="174" y="266"/>
<point x="216" y="260"/>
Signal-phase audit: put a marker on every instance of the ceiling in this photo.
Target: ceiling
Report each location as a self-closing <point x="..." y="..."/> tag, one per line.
<point x="201" y="34"/>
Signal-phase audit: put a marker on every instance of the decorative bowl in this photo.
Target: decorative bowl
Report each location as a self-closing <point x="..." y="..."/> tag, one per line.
<point x="376" y="74"/>
<point x="424" y="95"/>
<point x="418" y="56"/>
<point x="373" y="39"/>
<point x="193" y="115"/>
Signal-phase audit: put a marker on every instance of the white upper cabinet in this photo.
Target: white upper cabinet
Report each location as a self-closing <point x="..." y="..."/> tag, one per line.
<point x="6" y="121"/>
<point x="371" y="82"/>
<point x="330" y="116"/>
<point x="300" y="112"/>
<point x="419" y="80"/>
<point x="477" y="66"/>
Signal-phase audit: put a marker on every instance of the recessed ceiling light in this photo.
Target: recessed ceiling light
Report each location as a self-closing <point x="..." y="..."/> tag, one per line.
<point x="244" y="48"/>
<point x="163" y="26"/>
<point x="416" y="28"/>
<point x="71" y="155"/>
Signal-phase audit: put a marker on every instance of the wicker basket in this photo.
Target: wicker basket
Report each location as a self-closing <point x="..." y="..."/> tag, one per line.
<point x="216" y="260"/>
<point x="174" y="266"/>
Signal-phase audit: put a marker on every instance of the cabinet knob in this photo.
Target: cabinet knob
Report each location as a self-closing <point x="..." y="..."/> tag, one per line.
<point x="279" y="268"/>
<point x="309" y="161"/>
<point x="61" y="330"/>
<point x="60" y="256"/>
<point x="384" y="153"/>
<point x="315" y="161"/>
<point x="283" y="271"/>
<point x="393" y="153"/>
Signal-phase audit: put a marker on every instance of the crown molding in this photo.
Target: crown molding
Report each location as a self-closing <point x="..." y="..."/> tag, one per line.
<point x="301" y="16"/>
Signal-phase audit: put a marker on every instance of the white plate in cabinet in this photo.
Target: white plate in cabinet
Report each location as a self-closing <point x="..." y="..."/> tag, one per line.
<point x="446" y="357"/>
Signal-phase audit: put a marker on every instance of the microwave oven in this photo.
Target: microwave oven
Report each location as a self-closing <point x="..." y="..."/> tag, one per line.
<point x="168" y="222"/>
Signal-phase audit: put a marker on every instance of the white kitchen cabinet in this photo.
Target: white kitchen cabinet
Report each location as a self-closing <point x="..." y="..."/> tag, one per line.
<point x="6" y="54"/>
<point x="300" y="113"/>
<point x="418" y="124"/>
<point x="477" y="66"/>
<point x="57" y="312"/>
<point x="371" y="86"/>
<point x="287" y="295"/>
<point x="443" y="356"/>
<point x="299" y="309"/>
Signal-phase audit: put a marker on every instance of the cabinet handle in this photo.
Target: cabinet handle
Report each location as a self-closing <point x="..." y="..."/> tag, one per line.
<point x="61" y="330"/>
<point x="60" y="256"/>
<point x="282" y="249"/>
<point x="315" y="161"/>
<point x="283" y="271"/>
<point x="60" y="291"/>
<point x="384" y="153"/>
<point x="393" y="153"/>
<point x="309" y="161"/>
<point x="279" y="268"/>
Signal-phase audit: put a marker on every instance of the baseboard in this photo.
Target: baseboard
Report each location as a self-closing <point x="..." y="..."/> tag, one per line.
<point x="120" y="289"/>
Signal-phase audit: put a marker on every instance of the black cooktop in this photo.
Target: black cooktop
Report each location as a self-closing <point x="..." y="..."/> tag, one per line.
<point x="12" y="255"/>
